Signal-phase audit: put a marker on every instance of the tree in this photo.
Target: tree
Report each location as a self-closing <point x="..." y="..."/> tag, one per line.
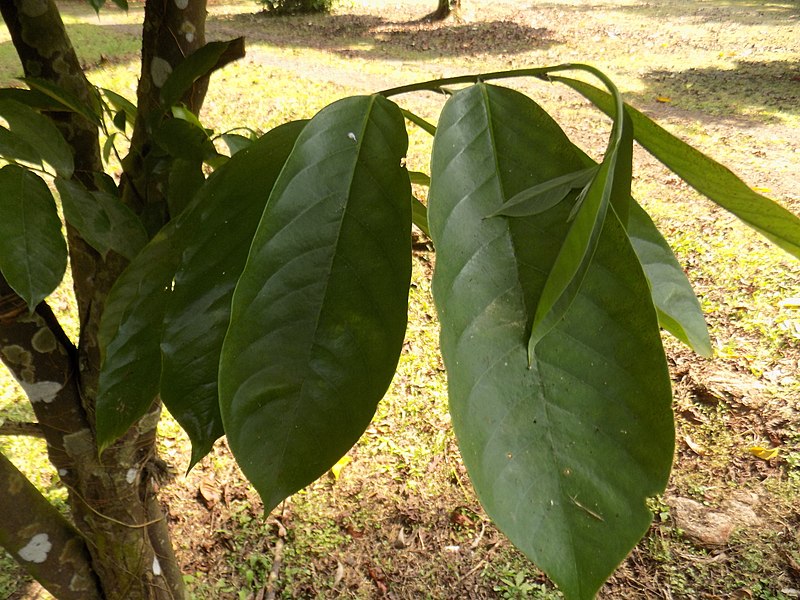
<point x="268" y="301"/>
<point x="444" y="9"/>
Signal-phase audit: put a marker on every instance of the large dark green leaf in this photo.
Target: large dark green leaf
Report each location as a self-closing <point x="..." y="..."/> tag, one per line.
<point x="218" y="230"/>
<point x="678" y="310"/>
<point x="130" y="334"/>
<point x="40" y="134"/>
<point x="706" y="175"/>
<point x="319" y="313"/>
<point x="33" y="254"/>
<point x="102" y="219"/>
<point x="562" y="453"/>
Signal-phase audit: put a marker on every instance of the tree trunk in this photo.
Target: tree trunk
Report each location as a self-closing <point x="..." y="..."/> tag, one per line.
<point x="119" y="547"/>
<point x="444" y="10"/>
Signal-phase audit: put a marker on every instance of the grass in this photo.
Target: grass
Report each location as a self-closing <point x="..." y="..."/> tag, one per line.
<point x="402" y="518"/>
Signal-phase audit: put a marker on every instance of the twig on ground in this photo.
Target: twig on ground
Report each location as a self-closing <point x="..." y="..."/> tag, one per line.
<point x="277" y="558"/>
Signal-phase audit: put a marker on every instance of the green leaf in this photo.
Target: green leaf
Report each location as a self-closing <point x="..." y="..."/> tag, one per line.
<point x="197" y="65"/>
<point x="183" y="113"/>
<point x="181" y="139"/>
<point x="707" y="176"/>
<point x="33" y="253"/>
<point x="418" y="178"/>
<point x="31" y="98"/>
<point x="319" y="313"/>
<point x="120" y="103"/>
<point x="130" y="334"/>
<point x="419" y="215"/>
<point x="102" y="219"/>
<point x="219" y="229"/>
<point x="235" y="142"/>
<point x="576" y="252"/>
<point x="544" y="196"/>
<point x="108" y="146"/>
<point x="13" y="147"/>
<point x="120" y="120"/>
<point x="66" y="99"/>
<point x="185" y="179"/>
<point x="40" y="133"/>
<point x="564" y="454"/>
<point x="679" y="311"/>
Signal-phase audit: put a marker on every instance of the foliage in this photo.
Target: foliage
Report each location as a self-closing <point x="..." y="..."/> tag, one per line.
<point x="293" y="7"/>
<point x="273" y="304"/>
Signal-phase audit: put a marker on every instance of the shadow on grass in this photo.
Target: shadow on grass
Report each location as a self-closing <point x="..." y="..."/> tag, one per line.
<point x="372" y="37"/>
<point x="768" y="87"/>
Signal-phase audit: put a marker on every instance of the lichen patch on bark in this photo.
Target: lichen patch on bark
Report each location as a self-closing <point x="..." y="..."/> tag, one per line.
<point x="36" y="549"/>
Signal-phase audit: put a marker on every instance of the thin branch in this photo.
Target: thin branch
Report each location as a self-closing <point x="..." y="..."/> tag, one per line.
<point x="44" y="543"/>
<point x="21" y="428"/>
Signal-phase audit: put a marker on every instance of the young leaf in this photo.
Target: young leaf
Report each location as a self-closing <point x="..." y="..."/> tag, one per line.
<point x="218" y="230"/>
<point x="563" y="455"/>
<point x="33" y="254"/>
<point x="319" y="313"/>
<point x="576" y="252"/>
<point x="544" y="196"/>
<point x="705" y="175"/>
<point x="130" y="334"/>
<point x="678" y="310"/>
<point x="102" y="219"/>
<point x="40" y="133"/>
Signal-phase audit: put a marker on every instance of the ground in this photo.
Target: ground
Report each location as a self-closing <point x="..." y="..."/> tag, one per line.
<point x="399" y="518"/>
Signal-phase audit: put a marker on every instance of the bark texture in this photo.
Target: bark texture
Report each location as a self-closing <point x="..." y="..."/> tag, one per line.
<point x="126" y="545"/>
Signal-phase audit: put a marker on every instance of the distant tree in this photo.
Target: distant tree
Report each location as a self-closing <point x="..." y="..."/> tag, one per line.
<point x="293" y="7"/>
<point x="444" y="10"/>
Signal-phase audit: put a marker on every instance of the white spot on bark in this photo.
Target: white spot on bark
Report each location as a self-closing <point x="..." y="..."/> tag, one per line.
<point x="62" y="472"/>
<point x="182" y="4"/>
<point x="352" y="136"/>
<point x="37" y="549"/>
<point x="130" y="476"/>
<point x="160" y="69"/>
<point x="188" y="30"/>
<point x="156" y="566"/>
<point x="41" y="391"/>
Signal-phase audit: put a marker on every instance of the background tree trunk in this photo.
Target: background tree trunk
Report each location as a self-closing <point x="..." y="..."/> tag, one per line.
<point x="444" y="10"/>
<point x="123" y="545"/>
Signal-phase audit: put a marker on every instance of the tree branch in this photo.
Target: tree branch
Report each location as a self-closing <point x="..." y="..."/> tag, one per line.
<point x="16" y="428"/>
<point x="42" y="540"/>
<point x="41" y="358"/>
